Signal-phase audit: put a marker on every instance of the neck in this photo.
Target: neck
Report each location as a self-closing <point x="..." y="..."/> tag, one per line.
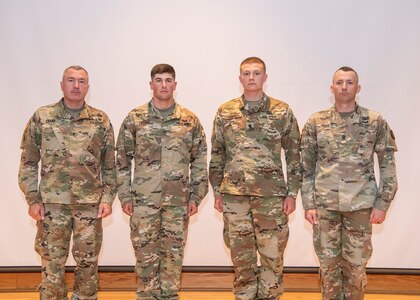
<point x="159" y="104"/>
<point x="253" y="95"/>
<point x="345" y="107"/>
<point x="73" y="104"/>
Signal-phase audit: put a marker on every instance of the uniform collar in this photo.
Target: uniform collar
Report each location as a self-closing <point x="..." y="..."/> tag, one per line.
<point x="263" y="106"/>
<point x="61" y="112"/>
<point x="355" y="117"/>
<point x="153" y="111"/>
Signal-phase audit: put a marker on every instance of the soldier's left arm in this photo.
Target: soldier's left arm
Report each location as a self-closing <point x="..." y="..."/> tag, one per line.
<point x="198" y="165"/>
<point x="109" y="178"/>
<point x="291" y="143"/>
<point x="385" y="147"/>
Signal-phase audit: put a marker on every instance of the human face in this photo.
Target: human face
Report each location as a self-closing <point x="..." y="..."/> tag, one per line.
<point x="163" y="87"/>
<point x="252" y="77"/>
<point x="75" y="85"/>
<point x="345" y="86"/>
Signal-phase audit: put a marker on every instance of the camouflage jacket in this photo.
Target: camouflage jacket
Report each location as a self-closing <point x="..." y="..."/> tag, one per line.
<point x="246" y="149"/>
<point x="170" y="157"/>
<point x="77" y="157"/>
<point x="338" y="161"/>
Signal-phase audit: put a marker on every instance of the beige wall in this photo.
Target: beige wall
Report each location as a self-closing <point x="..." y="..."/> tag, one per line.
<point x="303" y="43"/>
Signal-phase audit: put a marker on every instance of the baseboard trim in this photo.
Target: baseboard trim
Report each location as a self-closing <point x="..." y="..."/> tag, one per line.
<point x="212" y="269"/>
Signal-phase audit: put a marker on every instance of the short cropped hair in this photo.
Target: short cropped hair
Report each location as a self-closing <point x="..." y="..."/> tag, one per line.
<point x="251" y="60"/>
<point x="347" y="69"/>
<point x="77" y="68"/>
<point x="162" y="68"/>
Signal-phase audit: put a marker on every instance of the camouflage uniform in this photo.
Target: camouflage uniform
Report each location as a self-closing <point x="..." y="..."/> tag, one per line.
<point x="170" y="171"/>
<point x="339" y="182"/>
<point x="246" y="169"/>
<point x="77" y="172"/>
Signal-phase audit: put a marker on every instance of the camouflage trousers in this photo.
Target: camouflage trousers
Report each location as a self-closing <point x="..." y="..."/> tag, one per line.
<point x="53" y="242"/>
<point x="256" y="225"/>
<point x="158" y="234"/>
<point x="342" y="241"/>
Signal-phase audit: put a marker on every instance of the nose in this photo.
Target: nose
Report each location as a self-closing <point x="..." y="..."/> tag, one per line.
<point x="344" y="86"/>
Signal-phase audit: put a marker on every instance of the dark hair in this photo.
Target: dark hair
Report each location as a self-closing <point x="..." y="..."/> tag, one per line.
<point x="253" y="59"/>
<point x="162" y="68"/>
<point x="347" y="69"/>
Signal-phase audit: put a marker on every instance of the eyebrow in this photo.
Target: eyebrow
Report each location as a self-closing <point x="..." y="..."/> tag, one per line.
<point x="158" y="77"/>
<point x="78" y="79"/>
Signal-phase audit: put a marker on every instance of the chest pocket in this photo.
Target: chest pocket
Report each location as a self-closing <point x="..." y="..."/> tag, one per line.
<point x="93" y="134"/>
<point x="148" y="139"/>
<point x="365" y="142"/>
<point x="234" y="127"/>
<point x="328" y="143"/>
<point x="270" y="129"/>
<point x="178" y="136"/>
<point x="52" y="140"/>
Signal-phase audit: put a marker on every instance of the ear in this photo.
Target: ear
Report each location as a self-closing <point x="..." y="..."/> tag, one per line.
<point x="359" y="87"/>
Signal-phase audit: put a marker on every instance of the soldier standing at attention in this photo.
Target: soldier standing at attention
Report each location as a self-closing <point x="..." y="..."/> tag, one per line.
<point x="77" y="185"/>
<point x="246" y="173"/>
<point x="167" y="145"/>
<point x="339" y="191"/>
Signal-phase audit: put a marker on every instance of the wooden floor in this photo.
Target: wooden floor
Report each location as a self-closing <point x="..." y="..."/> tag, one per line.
<point x="214" y="286"/>
<point x="216" y="282"/>
<point x="206" y="296"/>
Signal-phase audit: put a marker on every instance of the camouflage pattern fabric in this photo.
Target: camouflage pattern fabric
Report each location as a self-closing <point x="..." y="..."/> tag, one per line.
<point x="246" y="167"/>
<point x="252" y="223"/>
<point x="77" y="157"/>
<point x="52" y="244"/>
<point x="77" y="168"/>
<point x="170" y="171"/>
<point x="246" y="149"/>
<point x="339" y="182"/>
<point x="170" y="157"/>
<point x="158" y="235"/>
<point x="343" y="244"/>
<point x="338" y="165"/>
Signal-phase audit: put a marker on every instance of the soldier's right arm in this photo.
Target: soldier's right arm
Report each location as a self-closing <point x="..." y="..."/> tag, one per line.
<point x="30" y="157"/>
<point x="125" y="149"/>
<point x="309" y="150"/>
<point x="218" y="156"/>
